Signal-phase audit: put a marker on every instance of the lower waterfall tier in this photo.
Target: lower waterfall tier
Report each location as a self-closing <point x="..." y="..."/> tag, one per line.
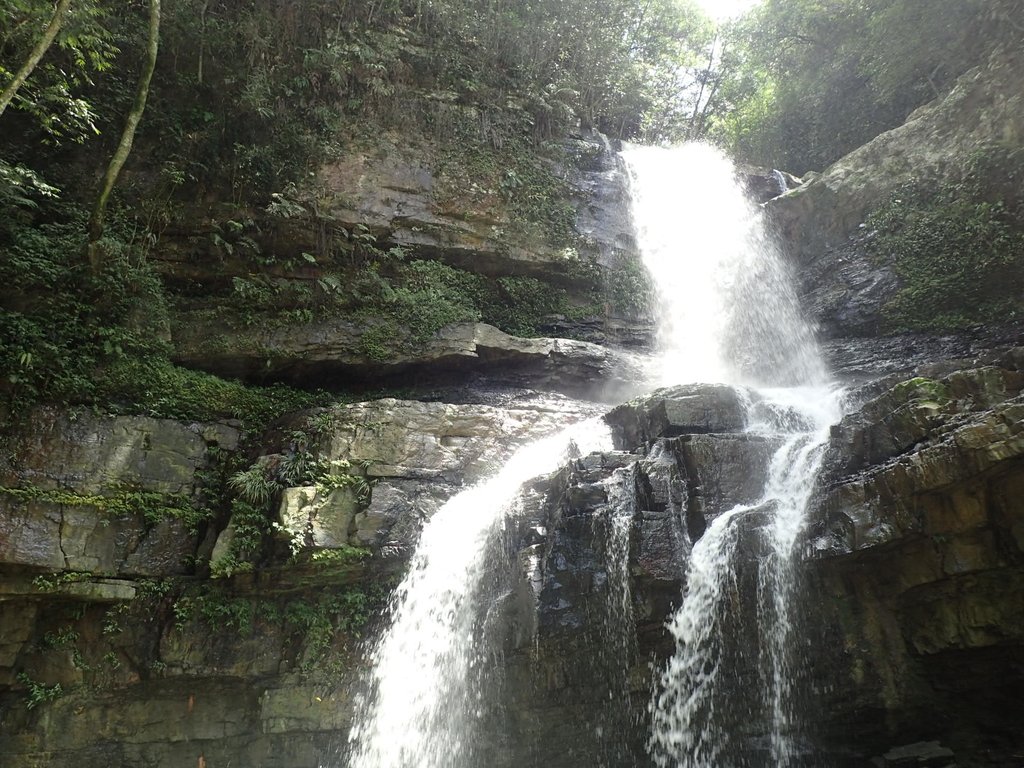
<point x="912" y="572"/>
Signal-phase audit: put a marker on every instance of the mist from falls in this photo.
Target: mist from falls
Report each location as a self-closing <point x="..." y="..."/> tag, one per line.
<point x="729" y="314"/>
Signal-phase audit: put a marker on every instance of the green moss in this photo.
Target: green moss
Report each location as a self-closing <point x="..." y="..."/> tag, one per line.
<point x="413" y="301"/>
<point x="156" y="387"/>
<point x="54" y="581"/>
<point x="319" y="621"/>
<point x="628" y="285"/>
<point x="151" y="506"/>
<point x="517" y="178"/>
<point x="339" y="556"/>
<point x="381" y="342"/>
<point x="923" y="390"/>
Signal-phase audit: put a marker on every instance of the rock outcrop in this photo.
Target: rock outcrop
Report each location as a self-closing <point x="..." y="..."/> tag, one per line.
<point x="822" y="221"/>
<point x="111" y="496"/>
<point x="413" y="456"/>
<point x="599" y="558"/>
<point x="401" y="200"/>
<point x="322" y="352"/>
<point x="910" y="590"/>
<point x="909" y="600"/>
<point x="113" y="650"/>
<point x="918" y="566"/>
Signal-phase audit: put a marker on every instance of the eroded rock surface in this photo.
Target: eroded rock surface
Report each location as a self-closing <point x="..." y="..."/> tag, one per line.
<point x="399" y="197"/>
<point x="414" y="456"/>
<point x="329" y="350"/>
<point x="78" y="487"/>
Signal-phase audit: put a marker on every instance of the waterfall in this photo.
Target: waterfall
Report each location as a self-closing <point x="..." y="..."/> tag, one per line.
<point x="421" y="705"/>
<point x="727" y="310"/>
<point x="729" y="314"/>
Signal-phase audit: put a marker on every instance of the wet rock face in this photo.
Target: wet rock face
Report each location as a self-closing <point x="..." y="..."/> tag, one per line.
<point x="888" y="359"/>
<point x="414" y="456"/>
<point x="763" y="184"/>
<point x="919" y="564"/>
<point x="913" y="622"/>
<point x="77" y="491"/>
<point x="258" y="668"/>
<point x="595" y="565"/>
<point x="910" y="610"/>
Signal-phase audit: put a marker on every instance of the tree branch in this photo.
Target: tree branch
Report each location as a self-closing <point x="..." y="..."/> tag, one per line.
<point x="40" y="49"/>
<point x="124" y="147"/>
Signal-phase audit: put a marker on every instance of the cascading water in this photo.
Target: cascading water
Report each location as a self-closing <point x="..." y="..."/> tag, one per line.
<point x="729" y="315"/>
<point x="421" y="706"/>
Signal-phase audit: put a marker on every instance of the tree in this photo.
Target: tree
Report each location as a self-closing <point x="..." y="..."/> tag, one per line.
<point x="36" y="54"/>
<point x="810" y="80"/>
<point x="124" y="147"/>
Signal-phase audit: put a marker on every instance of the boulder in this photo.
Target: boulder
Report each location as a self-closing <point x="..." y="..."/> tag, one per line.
<point x="680" y="410"/>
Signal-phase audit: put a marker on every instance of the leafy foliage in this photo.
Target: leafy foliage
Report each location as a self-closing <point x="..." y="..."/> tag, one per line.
<point x="64" y="322"/>
<point x="54" y="103"/>
<point x="77" y="337"/>
<point x="151" y="506"/>
<point x="806" y="81"/>
<point x="37" y="692"/>
<point x="319" y="622"/>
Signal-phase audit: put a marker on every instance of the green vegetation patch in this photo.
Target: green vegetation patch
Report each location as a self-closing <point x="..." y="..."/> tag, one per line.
<point x="923" y="390"/>
<point x="520" y="178"/>
<point x="407" y="303"/>
<point x="628" y="285"/>
<point x="153" y="507"/>
<point x="958" y="253"/>
<point x="319" y="621"/>
<point x="154" y="386"/>
<point x="79" y="338"/>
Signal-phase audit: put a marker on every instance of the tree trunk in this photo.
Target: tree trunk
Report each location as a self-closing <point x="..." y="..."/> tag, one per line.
<point x="124" y="147"/>
<point x="37" y="53"/>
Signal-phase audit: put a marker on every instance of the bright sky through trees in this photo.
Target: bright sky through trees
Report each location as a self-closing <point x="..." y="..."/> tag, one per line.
<point x="725" y="9"/>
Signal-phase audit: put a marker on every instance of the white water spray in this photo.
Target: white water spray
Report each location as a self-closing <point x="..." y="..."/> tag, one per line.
<point x="421" y="706"/>
<point x="729" y="314"/>
<point x="727" y="310"/>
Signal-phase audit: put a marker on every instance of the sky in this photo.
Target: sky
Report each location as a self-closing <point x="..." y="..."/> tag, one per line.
<point x="725" y="9"/>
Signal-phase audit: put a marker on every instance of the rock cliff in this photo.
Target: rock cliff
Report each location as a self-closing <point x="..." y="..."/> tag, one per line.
<point x="846" y="285"/>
